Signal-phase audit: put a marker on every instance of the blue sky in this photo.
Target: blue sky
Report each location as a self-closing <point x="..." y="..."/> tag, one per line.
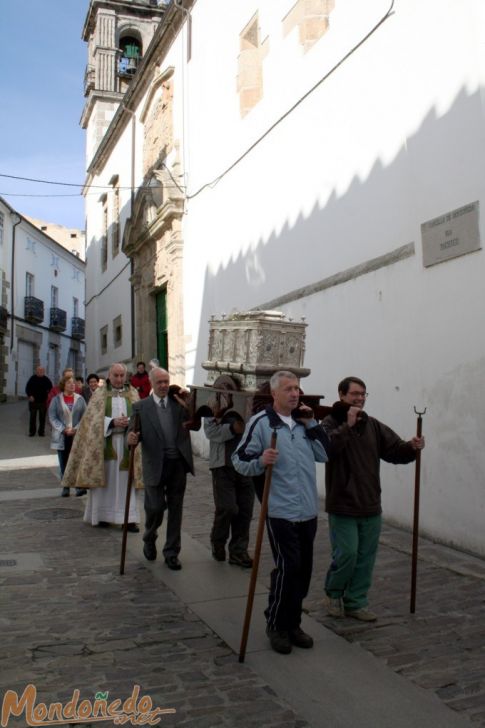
<point x="42" y="77"/>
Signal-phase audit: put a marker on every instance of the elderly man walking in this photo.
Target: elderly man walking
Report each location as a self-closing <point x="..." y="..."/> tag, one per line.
<point x="167" y="458"/>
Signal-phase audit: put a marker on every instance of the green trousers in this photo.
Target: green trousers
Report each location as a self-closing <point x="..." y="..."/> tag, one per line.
<point x="354" y="544"/>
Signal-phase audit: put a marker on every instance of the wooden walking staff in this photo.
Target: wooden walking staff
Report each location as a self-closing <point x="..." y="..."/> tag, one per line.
<point x="131" y="470"/>
<point x="414" y="562"/>
<point x="257" y="553"/>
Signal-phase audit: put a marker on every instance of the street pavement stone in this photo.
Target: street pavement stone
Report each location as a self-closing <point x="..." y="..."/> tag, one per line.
<point x="73" y="622"/>
<point x="441" y="647"/>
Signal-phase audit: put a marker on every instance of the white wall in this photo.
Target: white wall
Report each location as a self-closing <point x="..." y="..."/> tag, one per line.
<point x="390" y="138"/>
<point x="108" y="292"/>
<point x="394" y="137"/>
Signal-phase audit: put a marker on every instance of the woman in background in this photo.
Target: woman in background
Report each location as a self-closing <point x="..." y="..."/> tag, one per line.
<point x="65" y="412"/>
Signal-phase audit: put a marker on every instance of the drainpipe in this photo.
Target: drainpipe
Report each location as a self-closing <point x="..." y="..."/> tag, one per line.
<point x="12" y="277"/>
<point x="132" y="202"/>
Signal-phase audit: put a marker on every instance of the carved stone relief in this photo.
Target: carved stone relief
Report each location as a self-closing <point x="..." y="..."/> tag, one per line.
<point x="158" y="127"/>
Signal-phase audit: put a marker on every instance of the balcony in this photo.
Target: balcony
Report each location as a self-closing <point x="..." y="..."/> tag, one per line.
<point x="33" y="310"/>
<point x="57" y="320"/>
<point x="3" y="320"/>
<point x="77" y="328"/>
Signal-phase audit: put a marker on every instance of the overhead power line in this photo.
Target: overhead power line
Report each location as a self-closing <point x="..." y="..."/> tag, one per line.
<point x="75" y="184"/>
<point x="296" y="104"/>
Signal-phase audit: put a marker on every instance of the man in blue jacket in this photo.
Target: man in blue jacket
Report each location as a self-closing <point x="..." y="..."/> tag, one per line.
<point x="292" y="505"/>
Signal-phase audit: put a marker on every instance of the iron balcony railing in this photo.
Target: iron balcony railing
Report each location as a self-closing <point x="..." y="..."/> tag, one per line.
<point x="33" y="310"/>
<point x="57" y="319"/>
<point x="77" y="328"/>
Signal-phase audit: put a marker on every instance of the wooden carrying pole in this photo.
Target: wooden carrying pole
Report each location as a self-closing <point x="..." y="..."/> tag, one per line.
<point x="414" y="561"/>
<point x="257" y="554"/>
<point x="131" y="470"/>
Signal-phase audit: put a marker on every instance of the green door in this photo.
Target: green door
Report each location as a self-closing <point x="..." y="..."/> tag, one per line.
<point x="162" y="329"/>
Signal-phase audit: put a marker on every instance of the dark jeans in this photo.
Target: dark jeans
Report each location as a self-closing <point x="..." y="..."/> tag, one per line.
<point x="233" y="499"/>
<point x="63" y="455"/>
<point x="292" y="547"/>
<point x="41" y="408"/>
<point x="167" y="495"/>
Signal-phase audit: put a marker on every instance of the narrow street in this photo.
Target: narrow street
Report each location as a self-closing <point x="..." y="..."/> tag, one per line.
<point x="70" y="622"/>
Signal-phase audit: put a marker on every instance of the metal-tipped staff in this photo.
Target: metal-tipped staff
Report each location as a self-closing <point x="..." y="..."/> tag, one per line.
<point x="414" y="561"/>
<point x="257" y="553"/>
<point x="131" y="470"/>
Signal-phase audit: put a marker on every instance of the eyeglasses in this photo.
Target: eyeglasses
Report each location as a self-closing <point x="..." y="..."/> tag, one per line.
<point x="360" y="395"/>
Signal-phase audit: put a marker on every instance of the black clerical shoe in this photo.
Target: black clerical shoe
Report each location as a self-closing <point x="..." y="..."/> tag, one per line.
<point x="243" y="560"/>
<point x="132" y="528"/>
<point x="65" y="493"/>
<point x="173" y="563"/>
<point x="150" y="550"/>
<point x="218" y="552"/>
<point x="103" y="524"/>
<point x="81" y="491"/>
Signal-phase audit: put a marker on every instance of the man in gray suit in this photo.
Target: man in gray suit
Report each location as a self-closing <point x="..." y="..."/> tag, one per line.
<point x="166" y="459"/>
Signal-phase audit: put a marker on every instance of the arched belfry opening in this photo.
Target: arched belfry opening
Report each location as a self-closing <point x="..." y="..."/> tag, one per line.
<point x="131" y="53"/>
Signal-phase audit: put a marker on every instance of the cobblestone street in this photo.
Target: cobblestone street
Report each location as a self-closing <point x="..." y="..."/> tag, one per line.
<point x="441" y="647"/>
<point x="70" y="621"/>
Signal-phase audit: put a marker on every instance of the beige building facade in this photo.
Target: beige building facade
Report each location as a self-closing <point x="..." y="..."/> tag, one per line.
<point x="71" y="239"/>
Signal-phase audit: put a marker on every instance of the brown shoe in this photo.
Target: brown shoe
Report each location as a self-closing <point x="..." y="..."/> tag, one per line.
<point x="334" y="606"/>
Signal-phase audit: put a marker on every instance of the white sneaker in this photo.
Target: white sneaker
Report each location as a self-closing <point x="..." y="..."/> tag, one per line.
<point x="334" y="606"/>
<point x="364" y="615"/>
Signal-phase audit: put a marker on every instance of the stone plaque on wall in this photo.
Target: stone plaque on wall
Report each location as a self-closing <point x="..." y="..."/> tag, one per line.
<point x="450" y="235"/>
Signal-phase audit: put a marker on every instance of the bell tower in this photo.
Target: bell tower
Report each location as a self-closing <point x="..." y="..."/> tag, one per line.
<point x="118" y="33"/>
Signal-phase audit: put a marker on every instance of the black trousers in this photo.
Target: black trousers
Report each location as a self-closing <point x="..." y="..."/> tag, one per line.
<point x="41" y="408"/>
<point x="292" y="547"/>
<point x="233" y="499"/>
<point x="167" y="495"/>
<point x="64" y="454"/>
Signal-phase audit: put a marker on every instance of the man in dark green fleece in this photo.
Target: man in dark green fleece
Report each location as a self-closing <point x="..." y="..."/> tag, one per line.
<point x="353" y="497"/>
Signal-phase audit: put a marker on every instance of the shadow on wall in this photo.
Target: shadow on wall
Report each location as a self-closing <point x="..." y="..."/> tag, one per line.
<point x="372" y="218"/>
